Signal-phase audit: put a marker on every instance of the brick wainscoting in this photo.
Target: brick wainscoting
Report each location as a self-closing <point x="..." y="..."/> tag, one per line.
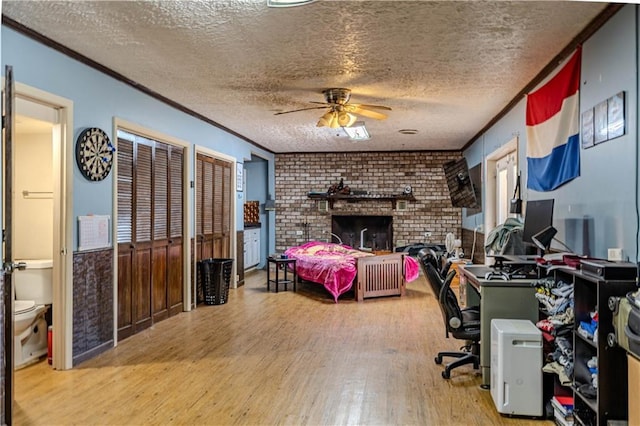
<point x="92" y="303"/>
<point x="298" y="218"/>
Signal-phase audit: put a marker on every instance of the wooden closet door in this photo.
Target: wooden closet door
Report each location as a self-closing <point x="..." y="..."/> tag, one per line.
<point x="150" y="233"/>
<point x="125" y="238"/>
<point x="142" y="257"/>
<point x="159" y="285"/>
<point x="213" y="208"/>
<point x="175" y="262"/>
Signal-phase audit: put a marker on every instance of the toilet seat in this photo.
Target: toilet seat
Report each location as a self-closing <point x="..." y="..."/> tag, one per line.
<point x="23" y="306"/>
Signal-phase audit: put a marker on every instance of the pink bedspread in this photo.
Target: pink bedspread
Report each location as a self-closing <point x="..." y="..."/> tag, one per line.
<point x="335" y="265"/>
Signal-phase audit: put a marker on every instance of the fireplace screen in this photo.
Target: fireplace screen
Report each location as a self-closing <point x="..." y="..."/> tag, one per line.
<point x="373" y="233"/>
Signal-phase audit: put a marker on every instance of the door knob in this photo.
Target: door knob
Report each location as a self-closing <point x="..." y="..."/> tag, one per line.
<point x="9" y="267"/>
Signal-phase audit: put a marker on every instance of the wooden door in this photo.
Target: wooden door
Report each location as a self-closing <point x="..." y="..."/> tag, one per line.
<point x="213" y="208"/>
<point x="6" y="352"/>
<point x="150" y="228"/>
<point x="175" y="247"/>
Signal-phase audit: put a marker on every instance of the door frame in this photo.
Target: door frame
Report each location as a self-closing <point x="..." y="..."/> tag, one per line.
<point x="63" y="222"/>
<point x="234" y="206"/>
<point x="128" y="126"/>
<point x="490" y="181"/>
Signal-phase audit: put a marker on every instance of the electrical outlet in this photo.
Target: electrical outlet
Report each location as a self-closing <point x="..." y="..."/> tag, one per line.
<point x="298" y="232"/>
<point x="614" y="254"/>
<point x="427" y="234"/>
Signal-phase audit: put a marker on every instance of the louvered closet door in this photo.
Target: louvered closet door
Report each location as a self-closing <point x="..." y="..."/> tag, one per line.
<point x="213" y="208"/>
<point x="160" y="232"/>
<point x="125" y="238"/>
<point x="175" y="251"/>
<point x="150" y="218"/>
<point x="142" y="256"/>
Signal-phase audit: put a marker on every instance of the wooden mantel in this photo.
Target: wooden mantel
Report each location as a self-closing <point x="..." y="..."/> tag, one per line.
<point x="331" y="198"/>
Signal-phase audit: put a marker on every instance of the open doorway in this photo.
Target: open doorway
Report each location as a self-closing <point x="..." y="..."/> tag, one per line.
<point x="502" y="171"/>
<point x="40" y="221"/>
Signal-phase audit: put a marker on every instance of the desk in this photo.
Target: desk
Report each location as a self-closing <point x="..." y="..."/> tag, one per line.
<point x="514" y="299"/>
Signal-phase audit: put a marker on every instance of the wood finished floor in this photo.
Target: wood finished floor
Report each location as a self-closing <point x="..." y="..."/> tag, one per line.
<point x="266" y="359"/>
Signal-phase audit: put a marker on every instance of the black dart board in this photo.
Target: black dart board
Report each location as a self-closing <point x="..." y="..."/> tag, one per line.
<point x="94" y="154"/>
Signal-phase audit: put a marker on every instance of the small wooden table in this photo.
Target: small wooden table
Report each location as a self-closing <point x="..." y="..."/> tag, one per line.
<point x="281" y="263"/>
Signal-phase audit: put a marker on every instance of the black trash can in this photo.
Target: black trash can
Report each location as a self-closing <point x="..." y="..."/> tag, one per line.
<point x="214" y="277"/>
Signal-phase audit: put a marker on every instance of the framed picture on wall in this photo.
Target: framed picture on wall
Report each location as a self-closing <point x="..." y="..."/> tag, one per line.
<point x="600" y="122"/>
<point x="615" y="117"/>
<point x="587" y="129"/>
<point x="239" y="177"/>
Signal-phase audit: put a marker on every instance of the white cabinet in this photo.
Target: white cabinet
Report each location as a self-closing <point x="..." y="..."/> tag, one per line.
<point x="251" y="247"/>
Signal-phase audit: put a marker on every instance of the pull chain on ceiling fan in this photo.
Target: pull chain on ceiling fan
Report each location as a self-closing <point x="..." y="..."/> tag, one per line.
<point x="341" y="113"/>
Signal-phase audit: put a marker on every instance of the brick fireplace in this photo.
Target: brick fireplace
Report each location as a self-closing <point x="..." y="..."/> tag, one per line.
<point x="300" y="218"/>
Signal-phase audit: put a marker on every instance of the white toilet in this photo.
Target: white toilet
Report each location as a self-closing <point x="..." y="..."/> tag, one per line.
<point x="33" y="296"/>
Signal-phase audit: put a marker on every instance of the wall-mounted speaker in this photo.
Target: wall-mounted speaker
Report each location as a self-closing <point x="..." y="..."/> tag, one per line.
<point x="323" y="206"/>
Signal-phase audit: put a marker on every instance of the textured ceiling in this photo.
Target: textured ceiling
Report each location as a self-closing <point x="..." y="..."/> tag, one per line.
<point x="446" y="68"/>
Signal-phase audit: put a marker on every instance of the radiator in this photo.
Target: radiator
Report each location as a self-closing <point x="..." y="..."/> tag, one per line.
<point x="380" y="276"/>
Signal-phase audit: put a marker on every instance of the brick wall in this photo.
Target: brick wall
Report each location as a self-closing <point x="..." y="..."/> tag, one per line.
<point x="298" y="219"/>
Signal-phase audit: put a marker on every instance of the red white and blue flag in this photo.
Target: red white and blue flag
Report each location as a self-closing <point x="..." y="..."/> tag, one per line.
<point x="553" y="129"/>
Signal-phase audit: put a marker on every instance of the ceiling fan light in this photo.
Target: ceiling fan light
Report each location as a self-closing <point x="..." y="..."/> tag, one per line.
<point x="326" y="119"/>
<point x="346" y="119"/>
<point x="335" y="121"/>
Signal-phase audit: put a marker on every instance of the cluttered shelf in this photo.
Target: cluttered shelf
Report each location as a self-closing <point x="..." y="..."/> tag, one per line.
<point x="331" y="198"/>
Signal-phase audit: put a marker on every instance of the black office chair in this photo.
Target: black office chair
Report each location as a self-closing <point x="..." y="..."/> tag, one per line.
<point x="429" y="256"/>
<point x="435" y="277"/>
<point x="430" y="268"/>
<point x="463" y="324"/>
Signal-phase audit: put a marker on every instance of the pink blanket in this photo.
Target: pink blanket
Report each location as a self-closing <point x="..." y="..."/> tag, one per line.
<point x="335" y="265"/>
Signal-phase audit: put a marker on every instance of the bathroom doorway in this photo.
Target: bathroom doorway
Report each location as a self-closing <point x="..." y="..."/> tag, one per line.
<point x="40" y="205"/>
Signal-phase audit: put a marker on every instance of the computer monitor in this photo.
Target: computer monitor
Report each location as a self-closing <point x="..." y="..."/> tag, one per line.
<point x="538" y="216"/>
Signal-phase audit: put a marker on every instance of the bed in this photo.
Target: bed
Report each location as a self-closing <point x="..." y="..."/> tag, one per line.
<point x="336" y="266"/>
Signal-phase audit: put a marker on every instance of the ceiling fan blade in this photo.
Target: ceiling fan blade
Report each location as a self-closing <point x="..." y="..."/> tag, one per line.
<point x="365" y="112"/>
<point x="301" y="109"/>
<point x="386" y="108"/>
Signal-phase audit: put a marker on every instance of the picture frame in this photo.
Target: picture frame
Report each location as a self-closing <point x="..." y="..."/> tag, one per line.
<point x="615" y="116"/>
<point x="587" y="129"/>
<point x="239" y="177"/>
<point x="600" y="122"/>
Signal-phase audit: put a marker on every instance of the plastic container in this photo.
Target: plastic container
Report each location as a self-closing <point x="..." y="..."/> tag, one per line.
<point x="214" y="278"/>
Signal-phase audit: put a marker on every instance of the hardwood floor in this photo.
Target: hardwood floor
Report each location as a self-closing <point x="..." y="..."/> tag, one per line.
<point x="266" y="358"/>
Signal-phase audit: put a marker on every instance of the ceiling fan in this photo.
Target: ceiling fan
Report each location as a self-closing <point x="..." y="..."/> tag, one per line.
<point x="340" y="112"/>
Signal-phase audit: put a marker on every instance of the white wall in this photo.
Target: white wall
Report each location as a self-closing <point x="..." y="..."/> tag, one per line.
<point x="33" y="221"/>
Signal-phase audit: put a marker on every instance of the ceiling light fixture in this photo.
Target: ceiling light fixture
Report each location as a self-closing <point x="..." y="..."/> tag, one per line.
<point x="408" y="131"/>
<point x="357" y="131"/>
<point x="288" y="3"/>
<point x="335" y="119"/>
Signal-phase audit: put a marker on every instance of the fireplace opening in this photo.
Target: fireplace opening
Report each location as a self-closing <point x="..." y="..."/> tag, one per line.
<point x="372" y="233"/>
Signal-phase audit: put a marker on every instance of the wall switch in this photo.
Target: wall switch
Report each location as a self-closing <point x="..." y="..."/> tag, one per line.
<point x="614" y="254"/>
<point x="298" y="232"/>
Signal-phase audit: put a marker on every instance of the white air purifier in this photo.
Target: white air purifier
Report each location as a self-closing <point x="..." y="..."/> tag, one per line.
<point x="516" y="367"/>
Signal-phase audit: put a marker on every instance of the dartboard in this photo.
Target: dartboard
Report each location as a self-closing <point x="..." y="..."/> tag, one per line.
<point x="94" y="154"/>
